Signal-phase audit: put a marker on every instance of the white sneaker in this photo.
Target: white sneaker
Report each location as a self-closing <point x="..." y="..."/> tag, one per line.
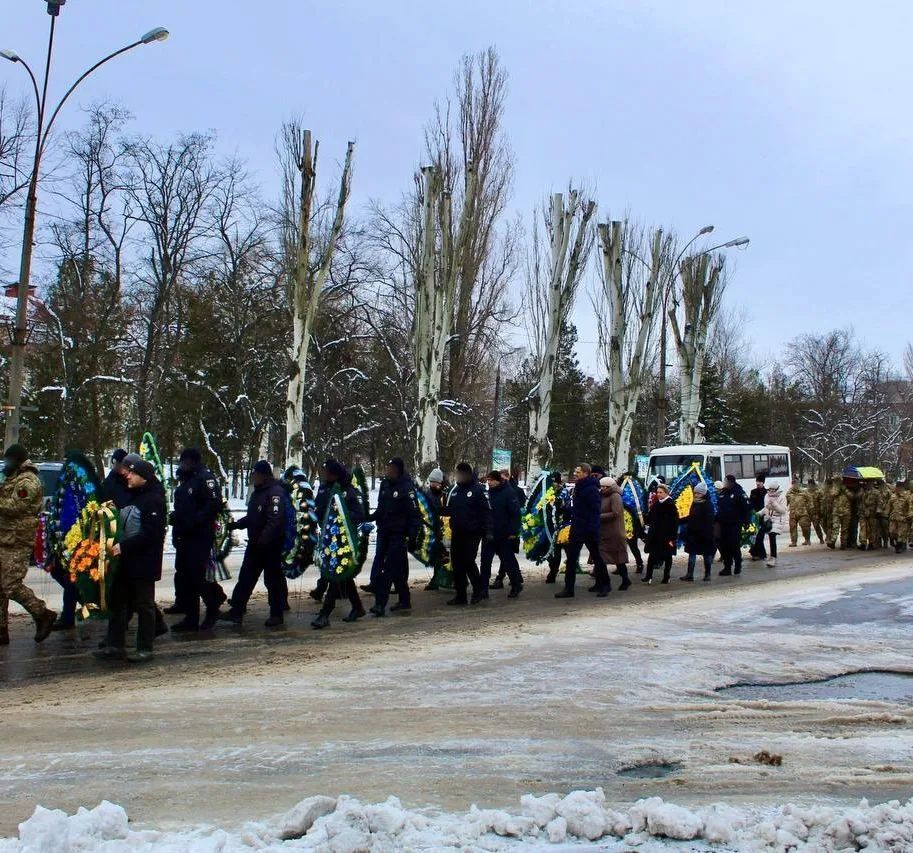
<point x="771" y="564"/>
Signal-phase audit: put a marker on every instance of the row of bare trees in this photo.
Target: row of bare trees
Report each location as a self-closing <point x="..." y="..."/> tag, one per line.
<point x="178" y="299"/>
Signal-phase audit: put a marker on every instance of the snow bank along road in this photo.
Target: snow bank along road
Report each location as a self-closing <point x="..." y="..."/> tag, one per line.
<point x="483" y="706"/>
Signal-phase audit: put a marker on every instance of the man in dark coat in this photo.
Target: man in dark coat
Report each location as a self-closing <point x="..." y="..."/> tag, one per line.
<point x="197" y="504"/>
<point x="505" y="517"/>
<point x="513" y="481"/>
<point x="334" y="473"/>
<point x="265" y="526"/>
<point x="732" y="514"/>
<point x="114" y="487"/>
<point x="470" y="522"/>
<point x="143" y="526"/>
<point x="585" y="512"/>
<point x="398" y="520"/>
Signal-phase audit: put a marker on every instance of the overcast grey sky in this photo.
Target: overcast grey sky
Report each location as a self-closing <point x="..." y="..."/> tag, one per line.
<point x="784" y="121"/>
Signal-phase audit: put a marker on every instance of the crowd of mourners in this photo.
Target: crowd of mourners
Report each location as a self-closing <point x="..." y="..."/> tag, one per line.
<point x="483" y="521"/>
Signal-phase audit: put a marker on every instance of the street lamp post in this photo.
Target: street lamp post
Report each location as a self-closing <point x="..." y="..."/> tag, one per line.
<point x="662" y="401"/>
<point x="20" y="329"/>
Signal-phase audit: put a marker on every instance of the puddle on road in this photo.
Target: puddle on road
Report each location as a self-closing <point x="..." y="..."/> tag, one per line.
<point x="875" y="685"/>
<point x="653" y="770"/>
<point x="879" y="602"/>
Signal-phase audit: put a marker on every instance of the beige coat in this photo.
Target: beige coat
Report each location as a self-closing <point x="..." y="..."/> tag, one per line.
<point x="612" y="543"/>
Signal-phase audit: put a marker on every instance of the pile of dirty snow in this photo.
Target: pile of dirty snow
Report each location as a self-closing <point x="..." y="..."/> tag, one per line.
<point x="582" y="817"/>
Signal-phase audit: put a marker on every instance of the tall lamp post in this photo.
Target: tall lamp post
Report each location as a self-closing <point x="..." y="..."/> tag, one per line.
<point x="20" y="330"/>
<point x="662" y="401"/>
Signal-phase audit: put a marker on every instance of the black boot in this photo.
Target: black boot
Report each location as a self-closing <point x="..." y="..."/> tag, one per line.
<point x="209" y="621"/>
<point x="185" y="626"/>
<point x="274" y="622"/>
<point x="689" y="578"/>
<point x="354" y="615"/>
<point x="320" y="621"/>
<point x="565" y="593"/>
<point x="727" y="572"/>
<point x="401" y="606"/>
<point x="459" y="601"/>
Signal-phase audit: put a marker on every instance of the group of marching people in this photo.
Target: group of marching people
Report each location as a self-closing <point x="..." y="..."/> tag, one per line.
<point x="483" y="522"/>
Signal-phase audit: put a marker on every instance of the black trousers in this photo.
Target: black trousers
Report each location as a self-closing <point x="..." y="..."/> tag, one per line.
<point x="70" y="594"/>
<point x="663" y="560"/>
<point x="391" y="564"/>
<point x="600" y="570"/>
<point x="129" y="596"/>
<point x="731" y="546"/>
<point x="503" y="549"/>
<point x="335" y="591"/>
<point x="464" y="547"/>
<point x="192" y="561"/>
<point x="554" y="562"/>
<point x="758" y="551"/>
<point x="772" y="539"/>
<point x="261" y="561"/>
<point x="635" y="550"/>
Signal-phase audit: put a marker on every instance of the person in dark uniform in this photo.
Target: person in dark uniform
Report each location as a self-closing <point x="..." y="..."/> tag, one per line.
<point x="197" y="503"/>
<point x="398" y="520"/>
<point x="470" y="523"/>
<point x="335" y="473"/>
<point x="505" y="516"/>
<point x="488" y="555"/>
<point x="585" y="521"/>
<point x="114" y="486"/>
<point x="265" y="526"/>
<point x="732" y="514"/>
<point x="140" y="549"/>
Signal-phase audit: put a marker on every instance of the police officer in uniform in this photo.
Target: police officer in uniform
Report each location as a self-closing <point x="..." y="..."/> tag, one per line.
<point x="265" y="526"/>
<point x="197" y="503"/>
<point x="470" y="522"/>
<point x="398" y="522"/>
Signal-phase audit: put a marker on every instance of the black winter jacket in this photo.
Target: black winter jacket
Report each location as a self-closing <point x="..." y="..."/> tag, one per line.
<point x="662" y="535"/>
<point x="585" y="510"/>
<point x="352" y="500"/>
<point x="505" y="511"/>
<point x="469" y="510"/>
<point x="265" y="519"/>
<point x="397" y="513"/>
<point x="699" y="538"/>
<point x="114" y="489"/>
<point x="197" y="503"/>
<point x="757" y="498"/>
<point x="732" y="507"/>
<point x="141" y="553"/>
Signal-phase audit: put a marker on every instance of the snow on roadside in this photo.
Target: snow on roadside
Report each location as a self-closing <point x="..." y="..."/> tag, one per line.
<point x="581" y="819"/>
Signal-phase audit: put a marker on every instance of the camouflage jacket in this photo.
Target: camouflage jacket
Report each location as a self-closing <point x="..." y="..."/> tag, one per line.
<point x="900" y="506"/>
<point x="842" y="501"/>
<point x="21" y="497"/>
<point x="815" y="502"/>
<point x="798" y="502"/>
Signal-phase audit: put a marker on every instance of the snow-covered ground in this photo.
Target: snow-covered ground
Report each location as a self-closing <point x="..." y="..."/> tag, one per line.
<point x="446" y="709"/>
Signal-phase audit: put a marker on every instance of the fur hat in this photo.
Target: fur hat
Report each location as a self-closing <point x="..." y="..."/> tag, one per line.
<point x="608" y="483"/>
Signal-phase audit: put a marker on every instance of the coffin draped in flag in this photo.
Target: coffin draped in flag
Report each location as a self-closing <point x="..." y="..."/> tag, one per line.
<point x="340" y="549"/>
<point x="301" y="529"/>
<point x="540" y="518"/>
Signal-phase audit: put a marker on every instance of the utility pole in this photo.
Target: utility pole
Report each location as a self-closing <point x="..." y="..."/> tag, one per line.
<point x="20" y="333"/>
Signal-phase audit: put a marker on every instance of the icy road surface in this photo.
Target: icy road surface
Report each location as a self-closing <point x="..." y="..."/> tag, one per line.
<point x="447" y="709"/>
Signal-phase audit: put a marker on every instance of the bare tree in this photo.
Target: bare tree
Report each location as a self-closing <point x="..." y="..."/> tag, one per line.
<point x="309" y="257"/>
<point x="703" y="285"/>
<point x="552" y="283"/>
<point x="170" y="188"/>
<point x="629" y="302"/>
<point x="17" y="140"/>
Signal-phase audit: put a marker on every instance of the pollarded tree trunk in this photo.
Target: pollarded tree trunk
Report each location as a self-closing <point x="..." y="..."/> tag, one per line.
<point x="630" y="301"/>
<point x="441" y="255"/>
<point x="703" y="285"/>
<point x="307" y="280"/>
<point x="551" y="297"/>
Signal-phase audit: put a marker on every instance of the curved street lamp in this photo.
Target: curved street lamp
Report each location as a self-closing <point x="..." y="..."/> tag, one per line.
<point x="20" y="331"/>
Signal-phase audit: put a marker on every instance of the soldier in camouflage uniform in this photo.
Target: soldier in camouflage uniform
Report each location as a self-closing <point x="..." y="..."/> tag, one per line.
<point x="869" y="528"/>
<point x="816" y="509"/>
<point x="21" y="497"/>
<point x="899" y="512"/>
<point x="840" y="512"/>
<point x="797" y="499"/>
<point x="884" y="514"/>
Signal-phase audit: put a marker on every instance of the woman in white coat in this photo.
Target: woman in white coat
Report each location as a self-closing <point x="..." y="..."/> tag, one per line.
<point x="776" y="514"/>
